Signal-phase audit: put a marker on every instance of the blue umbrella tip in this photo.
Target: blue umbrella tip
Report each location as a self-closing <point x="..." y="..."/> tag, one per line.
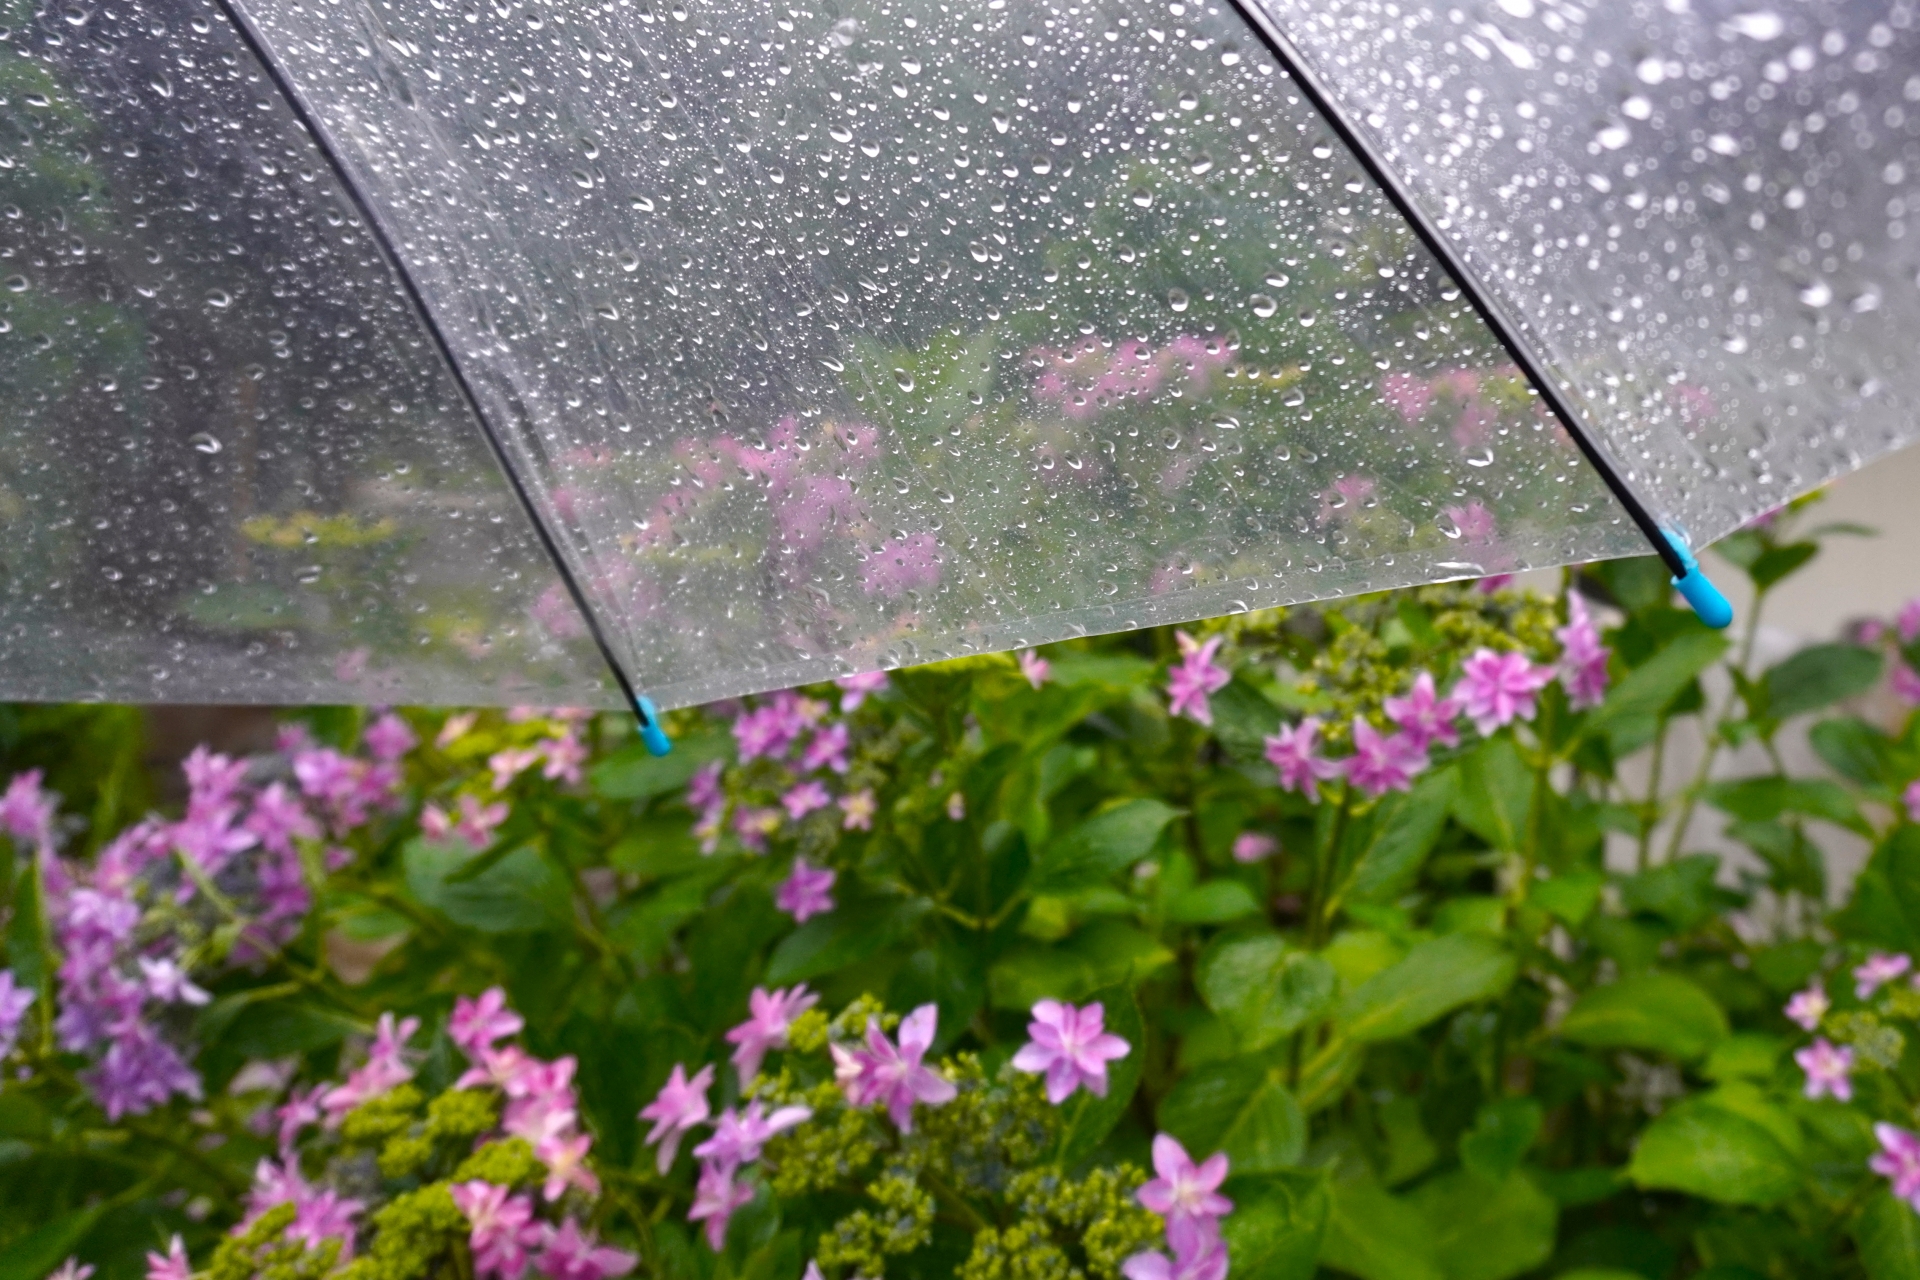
<point x="1710" y="605"/>
<point x="650" y="731"/>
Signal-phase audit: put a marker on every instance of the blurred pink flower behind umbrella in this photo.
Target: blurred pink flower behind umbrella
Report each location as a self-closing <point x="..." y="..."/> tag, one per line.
<point x="900" y="565"/>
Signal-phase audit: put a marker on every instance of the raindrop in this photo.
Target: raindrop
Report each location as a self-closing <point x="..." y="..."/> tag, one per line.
<point x="1734" y="344"/>
<point x="308" y="576"/>
<point x="1143" y="197"/>
<point x="1001" y="122"/>
<point x="1763" y="25"/>
<point x="17" y="284"/>
<point x="1201" y="163"/>
<point x="944" y="495"/>
<point x="1306" y="319"/>
<point x="1614" y="137"/>
<point x="1177" y="299"/>
<point x="583" y="179"/>
<point x="1043" y="165"/>
<point x="629" y="260"/>
<point x="219" y="298"/>
<point x="76" y="16"/>
<point x="1277" y="280"/>
<point x="161" y="85"/>
<point x="1188" y="102"/>
<point x="1481" y="457"/>
<point x="1262" y="305"/>
<point x="204" y="443"/>
<point x="1073" y="106"/>
<point x="1817" y="294"/>
<point x="977" y="250"/>
<point x="904" y="379"/>
<point x="1637" y="108"/>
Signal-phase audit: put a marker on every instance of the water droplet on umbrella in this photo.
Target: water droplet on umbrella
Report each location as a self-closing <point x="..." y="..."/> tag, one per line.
<point x="1201" y="163"/>
<point x="904" y="379"/>
<point x="204" y="442"/>
<point x="1306" y="319"/>
<point x="1817" y="294"/>
<point x="1763" y="25"/>
<point x="1277" y="280"/>
<point x="1177" y="299"/>
<point x="219" y="298"/>
<point x="309" y="575"/>
<point x="17" y="284"/>
<point x="1262" y="305"/>
<point x="1614" y="137"/>
<point x="1143" y="197"/>
<point x="629" y="260"/>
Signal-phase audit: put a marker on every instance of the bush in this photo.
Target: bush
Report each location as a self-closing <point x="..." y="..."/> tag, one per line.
<point x="1287" y="941"/>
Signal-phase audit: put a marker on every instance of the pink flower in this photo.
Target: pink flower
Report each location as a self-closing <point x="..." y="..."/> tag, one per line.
<point x="386" y="1067"/>
<point x="173" y="1265"/>
<point x="754" y="825"/>
<point x="1908" y="623"/>
<point x="856" y="688"/>
<point x="456" y="727"/>
<point x="168" y="983"/>
<point x="957" y="807"/>
<point x="1899" y="1161"/>
<point x="1035" y="668"/>
<point x="71" y="1269"/>
<point x="716" y="1198"/>
<point x="1912" y="799"/>
<point x="828" y="749"/>
<point x="434" y="822"/>
<point x="389" y="738"/>
<point x="1205" y="1260"/>
<point x="1493" y="583"/>
<point x="895" y="1077"/>
<point x="278" y="818"/>
<point x="806" y="892"/>
<point x="738" y="1138"/>
<point x="476" y="1024"/>
<point x="1828" y="1067"/>
<point x="1906" y="683"/>
<point x="1189" y="683"/>
<point x="803" y="798"/>
<point x="1808" y="1007"/>
<point x="900" y="565"/>
<point x="569" y="1255"/>
<point x="681" y="1104"/>
<point x="26" y="812"/>
<point x="477" y="822"/>
<point x="541" y="1104"/>
<point x="1253" y="846"/>
<point x="859" y="808"/>
<point x="1408" y="395"/>
<point x="1295" y="753"/>
<point x="703" y="789"/>
<point x="301" y="1109"/>
<point x="1877" y="969"/>
<point x="770" y="1017"/>
<point x="1497" y="688"/>
<point x="1071" y="1046"/>
<point x="510" y="764"/>
<point x="1476" y="524"/>
<point x="564" y="757"/>
<point x="1185" y="1194"/>
<point x="501" y="1227"/>
<point x="1380" y="764"/>
<point x="1423" y="716"/>
<point x="1583" y="659"/>
<point x="566" y="1161"/>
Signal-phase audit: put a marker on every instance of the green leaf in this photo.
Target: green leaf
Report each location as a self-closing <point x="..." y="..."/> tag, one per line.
<point x="1085" y="1120"/>
<point x="27" y="953"/>
<point x="1887" y="1233"/>
<point x="1684" y="892"/>
<point x="634" y="774"/>
<point x="1402" y="832"/>
<point x="1263" y="988"/>
<point x="276" y="1028"/>
<point x="1103" y="953"/>
<point x="1377" y="1236"/>
<point x="1766" y="798"/>
<point x="1241" y="1107"/>
<point x="845" y="936"/>
<point x="1714" y="1153"/>
<point x="1660" y="1012"/>
<point x="1501" y="1134"/>
<point x="1277" y="1224"/>
<point x="517" y="893"/>
<point x="1495" y="795"/>
<point x="1243" y="719"/>
<point x="1437" y="977"/>
<point x="1108" y="842"/>
<point x="1775" y="564"/>
<point x="39" y="1251"/>
<point x="1819" y="676"/>
<point x="1571" y="895"/>
<point x="1487" y="1230"/>
<point x="1885" y="907"/>
<point x="1745" y="1055"/>
<point x="1633" y="705"/>
<point x="1213" y="902"/>
<point x="1853" y="749"/>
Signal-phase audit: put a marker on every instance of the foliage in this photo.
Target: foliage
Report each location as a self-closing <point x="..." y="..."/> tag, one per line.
<point x="1376" y="897"/>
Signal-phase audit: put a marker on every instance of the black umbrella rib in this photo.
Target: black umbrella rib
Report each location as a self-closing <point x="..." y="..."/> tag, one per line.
<point x="1454" y="260"/>
<point x="389" y="248"/>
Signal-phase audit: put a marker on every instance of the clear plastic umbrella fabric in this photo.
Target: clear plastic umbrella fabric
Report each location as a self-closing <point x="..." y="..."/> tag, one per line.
<point x="350" y="346"/>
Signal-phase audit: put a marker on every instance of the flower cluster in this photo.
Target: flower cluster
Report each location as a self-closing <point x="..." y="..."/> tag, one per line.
<point x="1495" y="689"/>
<point x="226" y="883"/>
<point x="1187" y="1198"/>
<point x="511" y="1178"/>
<point x="1098" y="374"/>
<point x="551" y="740"/>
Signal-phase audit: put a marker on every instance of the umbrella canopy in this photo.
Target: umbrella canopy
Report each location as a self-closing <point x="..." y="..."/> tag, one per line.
<point x="817" y="339"/>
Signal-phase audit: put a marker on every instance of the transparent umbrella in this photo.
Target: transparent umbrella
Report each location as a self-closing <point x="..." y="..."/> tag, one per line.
<point x="471" y="351"/>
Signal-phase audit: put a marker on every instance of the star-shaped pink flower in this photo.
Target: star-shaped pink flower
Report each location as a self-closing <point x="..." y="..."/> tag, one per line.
<point x="1195" y="677"/>
<point x="1072" y="1046"/>
<point x="681" y="1104"/>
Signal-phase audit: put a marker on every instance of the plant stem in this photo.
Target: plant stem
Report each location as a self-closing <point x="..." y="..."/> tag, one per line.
<point x="1715" y="737"/>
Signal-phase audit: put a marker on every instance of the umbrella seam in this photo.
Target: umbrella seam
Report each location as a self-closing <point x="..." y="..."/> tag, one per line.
<point x="1454" y="262"/>
<point x="309" y="121"/>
